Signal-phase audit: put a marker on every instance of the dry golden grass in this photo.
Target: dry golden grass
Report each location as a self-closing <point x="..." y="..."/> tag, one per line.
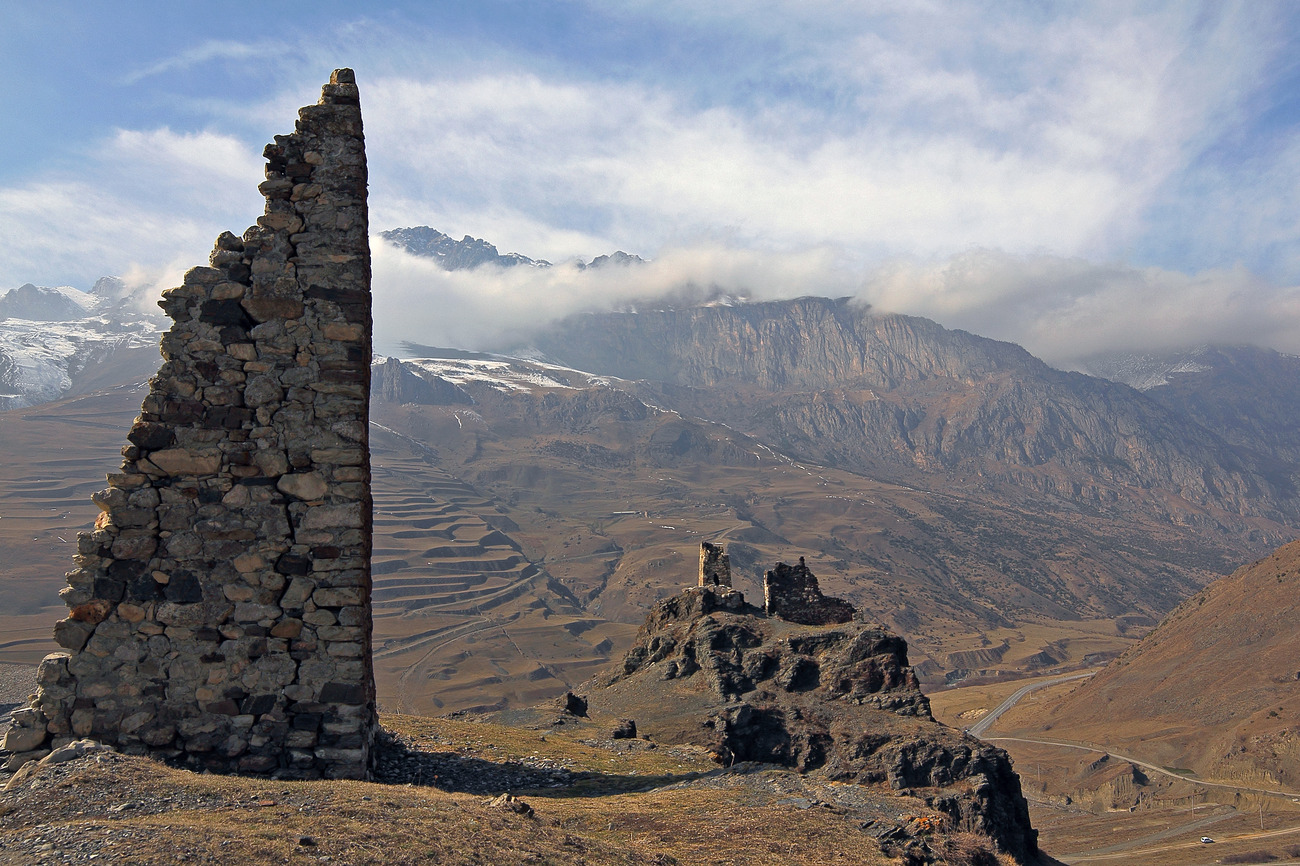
<point x="135" y="811"/>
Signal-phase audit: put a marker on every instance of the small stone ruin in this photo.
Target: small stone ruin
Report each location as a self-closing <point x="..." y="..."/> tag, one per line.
<point x="791" y="593"/>
<point x="715" y="566"/>
<point x="220" y="609"/>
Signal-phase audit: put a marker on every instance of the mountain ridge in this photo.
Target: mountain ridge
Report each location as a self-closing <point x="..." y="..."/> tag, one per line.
<point x="903" y="397"/>
<point x="470" y="252"/>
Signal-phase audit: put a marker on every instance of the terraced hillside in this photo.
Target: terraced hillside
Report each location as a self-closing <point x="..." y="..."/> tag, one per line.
<point x="52" y="458"/>
<point x="463" y="617"/>
<point x="524" y="527"/>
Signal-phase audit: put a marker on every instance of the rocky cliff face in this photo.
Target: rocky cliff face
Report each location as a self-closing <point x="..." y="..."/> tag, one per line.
<point x="394" y="381"/>
<point x="455" y="255"/>
<point x="901" y="397"/>
<point x="1248" y="396"/>
<point x="709" y="669"/>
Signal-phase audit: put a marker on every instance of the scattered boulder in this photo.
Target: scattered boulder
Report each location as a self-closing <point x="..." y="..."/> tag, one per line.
<point x="67" y="752"/>
<point x="574" y="705"/>
<point x="511" y="803"/>
<point x="624" y="730"/>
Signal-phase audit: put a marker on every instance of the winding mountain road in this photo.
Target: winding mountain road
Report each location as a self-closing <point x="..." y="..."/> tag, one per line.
<point x="978" y="729"/>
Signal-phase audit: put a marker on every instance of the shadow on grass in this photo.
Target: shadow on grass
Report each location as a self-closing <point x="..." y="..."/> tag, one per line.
<point x="399" y="763"/>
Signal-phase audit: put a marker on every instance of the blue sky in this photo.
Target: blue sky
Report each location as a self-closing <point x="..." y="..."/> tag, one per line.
<point x="1072" y="176"/>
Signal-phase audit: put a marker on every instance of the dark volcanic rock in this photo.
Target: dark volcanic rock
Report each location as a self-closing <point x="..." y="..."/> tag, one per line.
<point x="708" y="668"/>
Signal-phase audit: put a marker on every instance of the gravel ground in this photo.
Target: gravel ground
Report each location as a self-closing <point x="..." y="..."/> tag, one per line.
<point x="16" y="683"/>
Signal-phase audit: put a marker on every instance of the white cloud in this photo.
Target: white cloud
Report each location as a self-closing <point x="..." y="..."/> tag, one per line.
<point x="144" y="199"/>
<point x="205" y="52"/>
<point x="1009" y="145"/>
<point x="641" y="170"/>
<point x="495" y="308"/>
<point x="1066" y="309"/>
<point x="1061" y="309"/>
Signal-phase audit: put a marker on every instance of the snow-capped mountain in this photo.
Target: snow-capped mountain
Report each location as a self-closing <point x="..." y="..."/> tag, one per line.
<point x="455" y="255"/>
<point x="470" y="252"/>
<point x="49" y="336"/>
<point x="40" y="304"/>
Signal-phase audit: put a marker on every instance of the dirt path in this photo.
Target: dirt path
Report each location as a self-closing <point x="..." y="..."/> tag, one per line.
<point x="1089" y="747"/>
<point x="1126" y="849"/>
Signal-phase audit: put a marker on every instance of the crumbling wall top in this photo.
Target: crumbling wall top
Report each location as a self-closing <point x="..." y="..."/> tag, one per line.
<point x="792" y="593"/>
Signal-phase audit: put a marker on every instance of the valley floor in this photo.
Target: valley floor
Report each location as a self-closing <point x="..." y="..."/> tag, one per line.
<point x="1093" y="805"/>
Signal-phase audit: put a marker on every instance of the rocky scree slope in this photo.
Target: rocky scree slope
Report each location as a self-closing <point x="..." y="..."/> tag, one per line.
<point x="708" y="669"/>
<point x="1249" y="396"/>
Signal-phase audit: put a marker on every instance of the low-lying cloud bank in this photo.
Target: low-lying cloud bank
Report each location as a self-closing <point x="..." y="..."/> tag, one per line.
<point x="1061" y="309"/>
<point x="1067" y="309"/>
<point x="496" y="308"/>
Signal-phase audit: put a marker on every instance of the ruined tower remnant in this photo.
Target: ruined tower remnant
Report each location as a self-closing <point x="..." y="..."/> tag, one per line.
<point x="715" y="565"/>
<point x="220" y="609"/>
<point x="791" y="593"/>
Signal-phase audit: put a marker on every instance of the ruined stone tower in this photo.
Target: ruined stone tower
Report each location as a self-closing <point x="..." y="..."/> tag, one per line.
<point x="220" y="609"/>
<point x="715" y="565"/>
<point x="792" y="593"/>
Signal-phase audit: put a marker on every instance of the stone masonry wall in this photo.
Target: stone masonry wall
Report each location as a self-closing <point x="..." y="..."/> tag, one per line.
<point x="715" y="565"/>
<point x="791" y="592"/>
<point x="220" y="609"/>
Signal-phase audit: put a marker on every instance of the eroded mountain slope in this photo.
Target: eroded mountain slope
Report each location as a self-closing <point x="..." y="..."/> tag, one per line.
<point x="1215" y="688"/>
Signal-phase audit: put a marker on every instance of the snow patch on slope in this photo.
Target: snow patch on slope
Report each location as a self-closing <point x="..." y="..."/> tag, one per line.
<point x="39" y="359"/>
<point x="507" y="374"/>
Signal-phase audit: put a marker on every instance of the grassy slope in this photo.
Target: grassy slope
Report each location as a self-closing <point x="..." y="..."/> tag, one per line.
<point x="1215" y="688"/>
<point x="638" y="805"/>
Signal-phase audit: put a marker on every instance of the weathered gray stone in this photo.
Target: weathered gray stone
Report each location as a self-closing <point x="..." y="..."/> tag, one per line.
<point x="183" y="637"/>
<point x="23" y="739"/>
<point x="178" y="461"/>
<point x="303" y="485"/>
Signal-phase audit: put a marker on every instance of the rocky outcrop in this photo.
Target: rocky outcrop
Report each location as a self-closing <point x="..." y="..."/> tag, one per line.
<point x="219" y="610"/>
<point x="710" y="669"/>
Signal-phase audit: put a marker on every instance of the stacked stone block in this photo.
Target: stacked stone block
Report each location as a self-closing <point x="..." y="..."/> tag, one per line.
<point x="792" y="593"/>
<point x="220" y="608"/>
<point x="715" y="565"/>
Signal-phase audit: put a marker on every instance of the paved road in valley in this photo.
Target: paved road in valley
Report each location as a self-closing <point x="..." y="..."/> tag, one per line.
<point x="1088" y="747"/>
<point x="978" y="729"/>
